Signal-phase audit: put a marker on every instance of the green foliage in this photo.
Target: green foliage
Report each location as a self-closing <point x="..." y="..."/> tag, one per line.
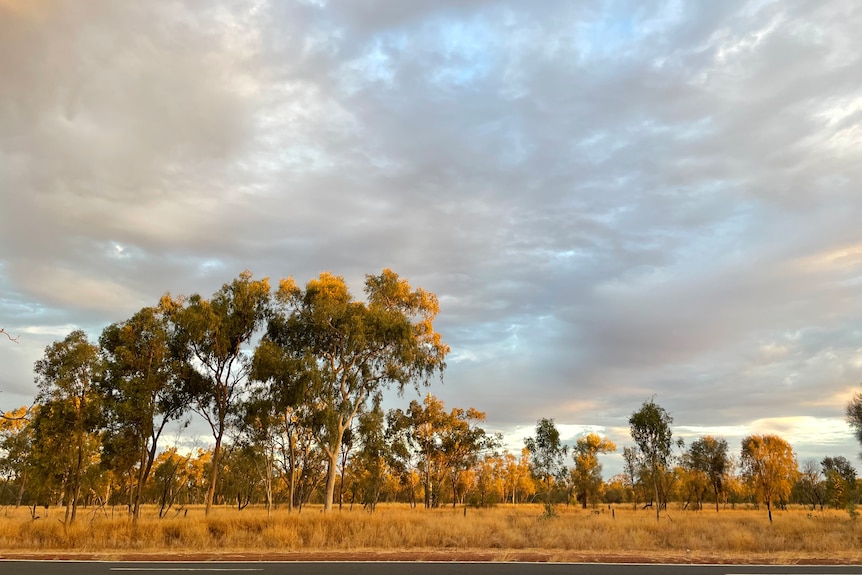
<point x="547" y="455"/>
<point x="853" y="413"/>
<point x="650" y="429"/>
<point x="140" y="394"/>
<point x="709" y="455"/>
<point x="339" y="352"/>
<point x="65" y="438"/>
<point x="370" y="462"/>
<point x="840" y="480"/>
<point x="208" y="340"/>
<point x="444" y="444"/>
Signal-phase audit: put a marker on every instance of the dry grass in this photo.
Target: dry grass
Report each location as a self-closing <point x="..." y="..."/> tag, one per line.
<point x="501" y="533"/>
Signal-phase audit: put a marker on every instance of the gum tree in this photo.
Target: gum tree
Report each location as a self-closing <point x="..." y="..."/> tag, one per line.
<point x="140" y="394"/>
<point x="769" y="466"/>
<point x="547" y="454"/>
<point x="210" y="338"/>
<point x="347" y="350"/>
<point x="68" y="417"/>
<point x="651" y="432"/>
<point x="587" y="474"/>
<point x="708" y="455"/>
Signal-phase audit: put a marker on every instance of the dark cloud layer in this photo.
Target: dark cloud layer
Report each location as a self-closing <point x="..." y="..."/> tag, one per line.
<point x="612" y="200"/>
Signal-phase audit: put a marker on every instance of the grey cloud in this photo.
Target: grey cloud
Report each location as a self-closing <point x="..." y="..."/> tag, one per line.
<point x="612" y="201"/>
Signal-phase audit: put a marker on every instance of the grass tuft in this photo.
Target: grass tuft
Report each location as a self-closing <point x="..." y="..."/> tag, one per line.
<point x="506" y="529"/>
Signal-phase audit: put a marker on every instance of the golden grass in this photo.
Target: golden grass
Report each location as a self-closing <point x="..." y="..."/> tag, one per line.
<point x="505" y="531"/>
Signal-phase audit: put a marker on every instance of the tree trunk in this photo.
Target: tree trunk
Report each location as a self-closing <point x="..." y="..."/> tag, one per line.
<point x="214" y="472"/>
<point x="291" y="439"/>
<point x="136" y="501"/>
<point x="269" y="463"/>
<point x="332" y="469"/>
<point x="427" y="482"/>
<point x="454" y="490"/>
<point x="21" y="487"/>
<point x="344" y="453"/>
<point x="76" y="484"/>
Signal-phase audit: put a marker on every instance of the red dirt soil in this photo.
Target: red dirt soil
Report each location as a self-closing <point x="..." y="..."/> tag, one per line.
<point x="436" y="555"/>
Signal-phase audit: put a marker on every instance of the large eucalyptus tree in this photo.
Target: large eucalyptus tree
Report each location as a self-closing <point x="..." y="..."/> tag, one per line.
<point x="345" y="351"/>
<point x="141" y="394"/>
<point x="210" y="336"/>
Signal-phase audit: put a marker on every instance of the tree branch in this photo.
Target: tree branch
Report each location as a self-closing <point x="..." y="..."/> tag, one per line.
<point x="6" y="333"/>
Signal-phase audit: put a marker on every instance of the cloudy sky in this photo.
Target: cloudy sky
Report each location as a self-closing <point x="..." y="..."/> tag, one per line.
<point x="612" y="200"/>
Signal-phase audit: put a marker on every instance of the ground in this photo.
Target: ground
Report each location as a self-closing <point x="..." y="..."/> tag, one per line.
<point x="537" y="555"/>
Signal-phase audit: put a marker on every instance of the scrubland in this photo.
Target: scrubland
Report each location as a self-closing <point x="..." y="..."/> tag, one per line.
<point x="395" y="531"/>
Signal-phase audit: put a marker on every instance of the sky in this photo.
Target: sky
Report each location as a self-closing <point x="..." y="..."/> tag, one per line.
<point x="613" y="200"/>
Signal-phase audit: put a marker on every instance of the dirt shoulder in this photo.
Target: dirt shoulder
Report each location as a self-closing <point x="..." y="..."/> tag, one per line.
<point x="438" y="555"/>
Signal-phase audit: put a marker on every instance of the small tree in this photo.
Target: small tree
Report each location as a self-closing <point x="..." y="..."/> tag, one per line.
<point x="769" y="466"/>
<point x="372" y="453"/>
<point x="708" y="455"/>
<point x="810" y="489"/>
<point x="69" y="414"/>
<point x="840" y="483"/>
<point x="587" y="474"/>
<point x="650" y="429"/>
<point x="547" y="454"/>
<point x="631" y="471"/>
<point x="16" y="444"/>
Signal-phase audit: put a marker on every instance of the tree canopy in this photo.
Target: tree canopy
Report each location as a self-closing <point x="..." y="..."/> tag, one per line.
<point x="650" y="429"/>
<point x="547" y="454"/>
<point x="209" y="339"/>
<point x="769" y="465"/>
<point x="344" y="350"/>
<point x="290" y="418"/>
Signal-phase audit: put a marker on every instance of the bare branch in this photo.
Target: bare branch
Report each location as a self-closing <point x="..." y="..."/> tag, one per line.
<point x="6" y="333"/>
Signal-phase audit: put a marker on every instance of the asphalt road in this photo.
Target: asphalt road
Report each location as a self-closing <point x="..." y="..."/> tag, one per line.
<point x="299" y="568"/>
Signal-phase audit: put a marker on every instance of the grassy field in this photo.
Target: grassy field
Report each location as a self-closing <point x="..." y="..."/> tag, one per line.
<point x="501" y="533"/>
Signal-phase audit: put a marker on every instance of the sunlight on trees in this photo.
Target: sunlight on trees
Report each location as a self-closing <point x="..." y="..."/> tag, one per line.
<point x="769" y="466"/>
<point x="140" y="393"/>
<point x="346" y="350"/>
<point x="210" y="336"/>
<point x="587" y="474"/>
<point x="66" y="426"/>
<point x="298" y="419"/>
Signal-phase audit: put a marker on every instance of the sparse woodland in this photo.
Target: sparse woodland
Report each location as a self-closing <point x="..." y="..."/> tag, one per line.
<point x="289" y="382"/>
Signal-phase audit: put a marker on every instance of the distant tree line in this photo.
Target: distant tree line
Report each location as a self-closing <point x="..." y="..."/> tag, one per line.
<point x="296" y="418"/>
